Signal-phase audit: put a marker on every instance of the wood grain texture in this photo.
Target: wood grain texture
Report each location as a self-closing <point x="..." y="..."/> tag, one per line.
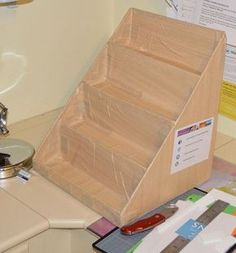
<point x="112" y="146"/>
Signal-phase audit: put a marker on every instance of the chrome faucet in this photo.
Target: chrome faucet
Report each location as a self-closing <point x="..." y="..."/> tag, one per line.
<point x="3" y="120"/>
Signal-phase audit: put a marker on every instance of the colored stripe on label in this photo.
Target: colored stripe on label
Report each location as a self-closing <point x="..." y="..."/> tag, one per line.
<point x="190" y="229"/>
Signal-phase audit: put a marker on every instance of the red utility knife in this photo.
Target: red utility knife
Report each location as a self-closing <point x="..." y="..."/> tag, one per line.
<point x="150" y="222"/>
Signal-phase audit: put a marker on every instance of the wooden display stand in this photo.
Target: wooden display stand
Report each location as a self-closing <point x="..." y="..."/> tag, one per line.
<point x="112" y="146"/>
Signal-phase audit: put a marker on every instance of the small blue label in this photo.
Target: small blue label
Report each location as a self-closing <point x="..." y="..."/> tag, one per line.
<point x="190" y="229"/>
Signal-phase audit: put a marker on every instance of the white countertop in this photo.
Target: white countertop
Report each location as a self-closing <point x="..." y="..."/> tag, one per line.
<point x="29" y="208"/>
<point x="18" y="222"/>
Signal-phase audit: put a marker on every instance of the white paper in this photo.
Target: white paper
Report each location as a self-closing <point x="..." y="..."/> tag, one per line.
<point x="218" y="14"/>
<point x="186" y="10"/>
<point x="221" y="15"/>
<point x="192" y="144"/>
<point x="216" y="237"/>
<point x="230" y="64"/>
<point x="172" y="9"/>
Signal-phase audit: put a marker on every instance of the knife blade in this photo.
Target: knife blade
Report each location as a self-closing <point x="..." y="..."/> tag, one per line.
<point x="149" y="222"/>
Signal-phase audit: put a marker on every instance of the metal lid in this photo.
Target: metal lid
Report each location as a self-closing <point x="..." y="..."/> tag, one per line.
<point x="3" y="119"/>
<point x="14" y="154"/>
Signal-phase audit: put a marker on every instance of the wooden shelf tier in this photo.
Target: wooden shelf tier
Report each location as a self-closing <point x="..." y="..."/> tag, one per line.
<point x="113" y="145"/>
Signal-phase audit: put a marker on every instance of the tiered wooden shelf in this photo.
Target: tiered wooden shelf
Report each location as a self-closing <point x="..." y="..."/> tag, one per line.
<point x="112" y="146"/>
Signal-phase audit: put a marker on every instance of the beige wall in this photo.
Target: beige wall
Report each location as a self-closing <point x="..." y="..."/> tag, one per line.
<point x="121" y="6"/>
<point x="45" y="48"/>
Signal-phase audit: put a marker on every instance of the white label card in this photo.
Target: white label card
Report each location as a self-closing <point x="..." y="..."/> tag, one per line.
<point x="192" y="145"/>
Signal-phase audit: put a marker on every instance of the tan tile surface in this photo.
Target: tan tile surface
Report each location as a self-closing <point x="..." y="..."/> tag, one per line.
<point x="24" y="204"/>
<point x="227" y="152"/>
<point x="18" y="222"/>
<point x="222" y="139"/>
<point x="59" y="208"/>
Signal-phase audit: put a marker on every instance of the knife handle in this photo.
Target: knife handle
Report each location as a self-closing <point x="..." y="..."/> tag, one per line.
<point x="143" y="224"/>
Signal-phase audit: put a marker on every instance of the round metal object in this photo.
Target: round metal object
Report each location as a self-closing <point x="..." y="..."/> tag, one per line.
<point x="19" y="154"/>
<point x="3" y="120"/>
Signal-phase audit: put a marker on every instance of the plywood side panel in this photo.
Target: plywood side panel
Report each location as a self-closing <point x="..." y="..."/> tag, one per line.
<point x="158" y="175"/>
<point x="112" y="146"/>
